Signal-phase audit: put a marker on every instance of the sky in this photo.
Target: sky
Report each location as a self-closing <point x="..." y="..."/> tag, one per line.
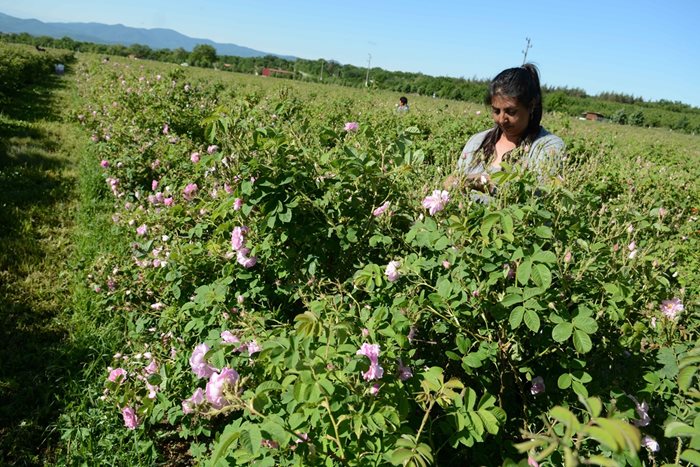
<point x="643" y="48"/>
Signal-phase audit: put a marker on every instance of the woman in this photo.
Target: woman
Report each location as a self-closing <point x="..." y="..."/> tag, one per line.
<point x="515" y="98"/>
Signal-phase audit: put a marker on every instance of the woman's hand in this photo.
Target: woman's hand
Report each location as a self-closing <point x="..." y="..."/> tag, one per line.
<point x="481" y="182"/>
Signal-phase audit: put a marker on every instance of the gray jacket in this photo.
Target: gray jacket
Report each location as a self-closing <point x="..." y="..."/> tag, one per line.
<point x="545" y="152"/>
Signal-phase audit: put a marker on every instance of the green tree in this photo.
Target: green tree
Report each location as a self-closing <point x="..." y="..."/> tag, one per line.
<point x="203" y="55"/>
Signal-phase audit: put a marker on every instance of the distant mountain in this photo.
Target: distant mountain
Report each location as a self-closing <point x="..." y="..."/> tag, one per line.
<point x="120" y="34"/>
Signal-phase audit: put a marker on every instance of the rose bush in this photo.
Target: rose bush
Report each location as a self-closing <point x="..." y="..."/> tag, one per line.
<point x="307" y="295"/>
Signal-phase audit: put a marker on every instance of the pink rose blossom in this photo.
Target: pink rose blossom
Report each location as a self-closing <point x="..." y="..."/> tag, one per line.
<point x="374" y="390"/>
<point x="253" y="347"/>
<point x="212" y="149"/>
<point x="244" y="260"/>
<point x="374" y="372"/>
<point x="228" y="188"/>
<point x="240" y="299"/>
<point x="392" y="272"/>
<point x="436" y="202"/>
<point x="168" y="201"/>
<point x="228" y="338"/>
<point x="238" y="238"/>
<point x="104" y="163"/>
<point x="671" y="308"/>
<point x="141" y="230"/>
<point x="351" y="126"/>
<point x="117" y="375"/>
<point x="154" y="185"/>
<point x="190" y="191"/>
<point x="531" y="462"/>
<point x="197" y="398"/>
<point x="218" y="382"/>
<point x="198" y="362"/>
<point x="131" y="421"/>
<point x="371" y="351"/>
<point x="237" y="204"/>
<point x="194" y="157"/>
<point x="446" y="264"/>
<point x="152" y="390"/>
<point x="380" y="210"/>
<point x="152" y="368"/>
<point x="166" y="129"/>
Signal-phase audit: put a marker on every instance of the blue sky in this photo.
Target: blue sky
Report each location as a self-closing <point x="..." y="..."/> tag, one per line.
<point x="642" y="47"/>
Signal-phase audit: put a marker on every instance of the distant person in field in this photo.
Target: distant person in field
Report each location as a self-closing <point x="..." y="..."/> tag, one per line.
<point x="403" y="104"/>
<point x="515" y="98"/>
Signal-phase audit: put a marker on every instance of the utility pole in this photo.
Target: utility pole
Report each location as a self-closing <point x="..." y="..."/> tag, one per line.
<point x="369" y="61"/>
<point x="528" y="46"/>
<point x="321" y="79"/>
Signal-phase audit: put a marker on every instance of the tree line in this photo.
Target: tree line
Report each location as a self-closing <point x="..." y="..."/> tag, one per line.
<point x="614" y="106"/>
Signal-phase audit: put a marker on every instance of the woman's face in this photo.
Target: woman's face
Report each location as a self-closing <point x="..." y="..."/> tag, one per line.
<point x="510" y="115"/>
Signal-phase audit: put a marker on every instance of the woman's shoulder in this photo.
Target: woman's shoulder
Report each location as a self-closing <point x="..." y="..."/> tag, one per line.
<point x="474" y="142"/>
<point x="545" y="139"/>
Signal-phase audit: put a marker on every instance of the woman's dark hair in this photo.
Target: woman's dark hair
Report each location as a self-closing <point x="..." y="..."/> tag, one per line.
<point x="523" y="84"/>
<point x="403" y="100"/>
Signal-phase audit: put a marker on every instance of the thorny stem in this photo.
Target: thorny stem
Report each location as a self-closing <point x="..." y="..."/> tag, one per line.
<point x="423" y="422"/>
<point x="326" y="404"/>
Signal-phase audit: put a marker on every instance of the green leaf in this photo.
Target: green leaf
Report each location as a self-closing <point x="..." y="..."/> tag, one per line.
<point x="612" y="289"/>
<point x="267" y="386"/>
<point x="564" y="381"/>
<point x="401" y="456"/>
<point x="564" y="416"/>
<point x="532" y="320"/>
<point x="516" y="317"/>
<point x="511" y="299"/>
<point x="603" y="461"/>
<point x="530" y="292"/>
<point x="582" y="341"/>
<point x="490" y="422"/>
<point x="507" y="223"/>
<point x="685" y="377"/>
<point x="585" y="324"/>
<point x="594" y="405"/>
<point x="603" y="437"/>
<point x="692" y="456"/>
<point x="562" y="331"/>
<point x="579" y="388"/>
<point x="543" y="256"/>
<point x="523" y="272"/>
<point x="543" y="232"/>
<point x="251" y="439"/>
<point x="222" y="446"/>
<point x="674" y="429"/>
<point x="487" y="224"/>
<point x="542" y="276"/>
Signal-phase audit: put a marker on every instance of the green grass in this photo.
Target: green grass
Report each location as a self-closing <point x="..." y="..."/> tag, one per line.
<point x="49" y="228"/>
<point x="37" y="204"/>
